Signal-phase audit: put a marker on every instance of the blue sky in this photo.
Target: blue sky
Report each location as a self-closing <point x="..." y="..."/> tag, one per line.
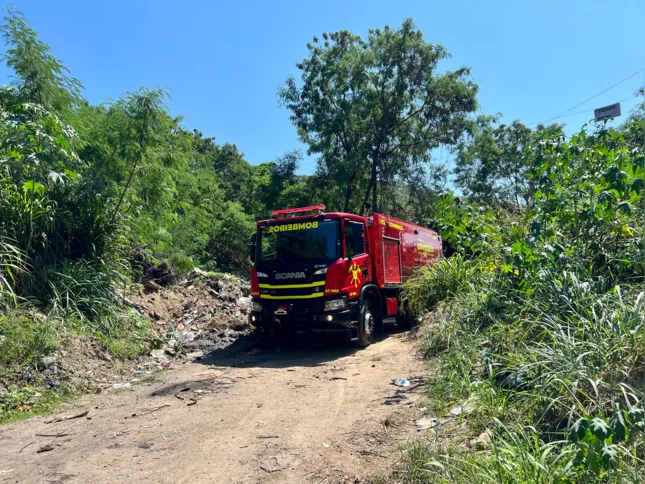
<point x="224" y="61"/>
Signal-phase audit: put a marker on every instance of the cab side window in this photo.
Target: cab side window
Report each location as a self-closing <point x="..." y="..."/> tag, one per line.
<point x="354" y="238"/>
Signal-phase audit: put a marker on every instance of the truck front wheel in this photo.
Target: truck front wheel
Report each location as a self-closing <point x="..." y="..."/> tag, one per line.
<point x="366" y="323"/>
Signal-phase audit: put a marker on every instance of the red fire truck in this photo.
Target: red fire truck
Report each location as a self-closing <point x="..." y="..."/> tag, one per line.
<point x="334" y="271"/>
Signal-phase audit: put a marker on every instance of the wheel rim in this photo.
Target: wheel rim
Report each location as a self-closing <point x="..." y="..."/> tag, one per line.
<point x="368" y="323"/>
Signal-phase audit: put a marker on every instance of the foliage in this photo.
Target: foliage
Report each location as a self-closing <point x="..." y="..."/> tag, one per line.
<point x="541" y="327"/>
<point x="11" y="264"/>
<point x="441" y="282"/>
<point x="491" y="166"/>
<point x="23" y="402"/>
<point x="39" y="76"/>
<point x="24" y="342"/>
<point x="373" y="109"/>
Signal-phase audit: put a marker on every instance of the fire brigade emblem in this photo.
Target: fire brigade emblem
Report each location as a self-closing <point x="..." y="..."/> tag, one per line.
<point x="355" y="271"/>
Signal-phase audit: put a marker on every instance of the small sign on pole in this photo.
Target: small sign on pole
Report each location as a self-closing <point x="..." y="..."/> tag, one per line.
<point x="611" y="111"/>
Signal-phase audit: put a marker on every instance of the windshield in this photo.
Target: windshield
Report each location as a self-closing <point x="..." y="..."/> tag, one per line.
<point x="315" y="240"/>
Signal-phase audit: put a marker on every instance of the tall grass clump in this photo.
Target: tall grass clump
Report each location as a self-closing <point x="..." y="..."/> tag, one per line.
<point x="443" y="281"/>
<point x="11" y="265"/>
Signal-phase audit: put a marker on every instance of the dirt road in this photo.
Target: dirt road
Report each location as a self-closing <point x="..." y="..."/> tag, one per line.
<point x="313" y="413"/>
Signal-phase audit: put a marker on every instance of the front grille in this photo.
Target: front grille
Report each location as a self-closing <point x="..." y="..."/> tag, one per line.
<point x="293" y="307"/>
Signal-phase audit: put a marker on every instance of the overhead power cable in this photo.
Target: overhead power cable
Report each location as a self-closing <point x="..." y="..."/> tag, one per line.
<point x="577" y="112"/>
<point x="592" y="97"/>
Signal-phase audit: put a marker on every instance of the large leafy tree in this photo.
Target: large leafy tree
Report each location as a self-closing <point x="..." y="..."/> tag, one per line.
<point x="373" y="109"/>
<point x="492" y="166"/>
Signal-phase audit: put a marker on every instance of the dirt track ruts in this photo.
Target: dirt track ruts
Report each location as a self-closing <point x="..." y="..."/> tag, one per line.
<point x="303" y="414"/>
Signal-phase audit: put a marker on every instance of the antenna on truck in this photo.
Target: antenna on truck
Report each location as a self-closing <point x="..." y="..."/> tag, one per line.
<point x="318" y="209"/>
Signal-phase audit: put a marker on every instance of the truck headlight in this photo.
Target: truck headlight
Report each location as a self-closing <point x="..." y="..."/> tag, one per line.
<point x="256" y="305"/>
<point x="334" y="304"/>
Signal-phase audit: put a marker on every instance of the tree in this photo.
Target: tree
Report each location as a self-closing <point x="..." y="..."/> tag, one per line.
<point x="491" y="165"/>
<point x="377" y="106"/>
<point x="39" y="76"/>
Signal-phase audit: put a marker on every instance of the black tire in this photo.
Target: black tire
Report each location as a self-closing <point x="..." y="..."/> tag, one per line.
<point x="366" y="323"/>
<point x="406" y="319"/>
<point x="403" y="321"/>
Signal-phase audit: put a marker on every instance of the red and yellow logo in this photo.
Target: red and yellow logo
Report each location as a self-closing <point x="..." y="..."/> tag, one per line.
<point x="355" y="271"/>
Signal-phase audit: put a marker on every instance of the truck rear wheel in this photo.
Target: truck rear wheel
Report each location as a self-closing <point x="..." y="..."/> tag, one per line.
<point x="366" y="323"/>
<point x="406" y="319"/>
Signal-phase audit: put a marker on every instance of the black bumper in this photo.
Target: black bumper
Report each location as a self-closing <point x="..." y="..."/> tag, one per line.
<point x="304" y="321"/>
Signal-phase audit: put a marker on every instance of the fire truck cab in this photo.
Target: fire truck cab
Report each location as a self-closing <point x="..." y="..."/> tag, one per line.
<point x="334" y="271"/>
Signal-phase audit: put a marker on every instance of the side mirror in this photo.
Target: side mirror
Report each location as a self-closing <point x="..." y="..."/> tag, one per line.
<point x="252" y="247"/>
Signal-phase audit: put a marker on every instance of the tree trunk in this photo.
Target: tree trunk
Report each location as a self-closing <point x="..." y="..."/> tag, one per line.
<point x="374" y="185"/>
<point x="348" y="192"/>
<point x="367" y="194"/>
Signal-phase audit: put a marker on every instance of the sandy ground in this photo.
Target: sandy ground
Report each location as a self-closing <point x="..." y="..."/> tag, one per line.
<point x="311" y="413"/>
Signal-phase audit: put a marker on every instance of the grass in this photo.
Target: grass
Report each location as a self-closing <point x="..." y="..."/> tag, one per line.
<point x="531" y="356"/>
<point x="29" y="339"/>
<point x="19" y="403"/>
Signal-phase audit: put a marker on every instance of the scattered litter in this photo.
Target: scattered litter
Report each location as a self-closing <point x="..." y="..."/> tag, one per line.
<point x="145" y="445"/>
<point x="71" y="417"/>
<point x="427" y="423"/>
<point x="165" y="366"/>
<point x="484" y="437"/>
<point x="191" y="402"/>
<point x="158" y="354"/>
<point x="137" y="372"/>
<point x="48" y="360"/>
<point x="512" y="381"/>
<point x="45" y="448"/>
<point x="195" y="355"/>
<point x="325" y="445"/>
<point x="401" y="382"/>
<point x="119" y="386"/>
<point x="4" y="471"/>
<point x="186" y="336"/>
<point x="464" y="409"/>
